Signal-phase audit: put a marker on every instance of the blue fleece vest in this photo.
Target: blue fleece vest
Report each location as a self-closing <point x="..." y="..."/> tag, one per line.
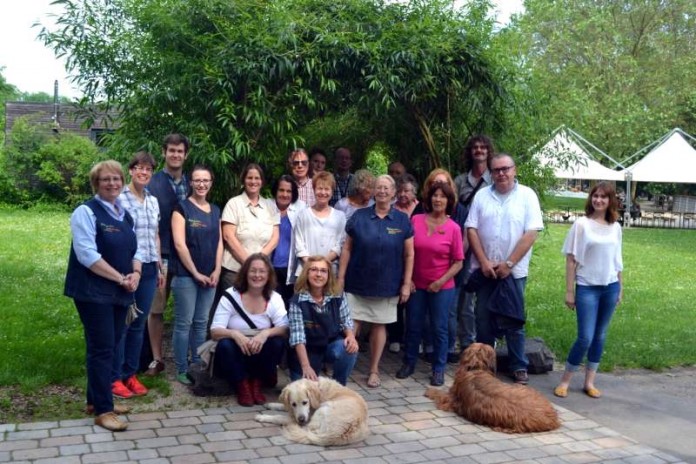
<point x="117" y="244"/>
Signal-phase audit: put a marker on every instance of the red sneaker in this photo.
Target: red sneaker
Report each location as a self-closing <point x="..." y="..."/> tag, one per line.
<point x="134" y="385"/>
<point x="120" y="391"/>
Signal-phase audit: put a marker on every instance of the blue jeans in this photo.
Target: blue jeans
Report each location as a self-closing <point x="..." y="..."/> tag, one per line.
<point x="103" y="325"/>
<point x="335" y="353"/>
<point x="127" y="354"/>
<point x="467" y="319"/>
<point x="437" y="307"/>
<point x="594" y="307"/>
<point x="191" y="307"/>
<point x="514" y="338"/>
<point x="234" y="366"/>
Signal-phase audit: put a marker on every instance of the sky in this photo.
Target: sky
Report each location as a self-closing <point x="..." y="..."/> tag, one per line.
<point x="31" y="67"/>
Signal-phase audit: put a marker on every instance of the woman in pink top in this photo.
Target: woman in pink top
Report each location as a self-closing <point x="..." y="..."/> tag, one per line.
<point x="439" y="254"/>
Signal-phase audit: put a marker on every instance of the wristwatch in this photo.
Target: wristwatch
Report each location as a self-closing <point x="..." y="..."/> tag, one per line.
<point x="509" y="264"/>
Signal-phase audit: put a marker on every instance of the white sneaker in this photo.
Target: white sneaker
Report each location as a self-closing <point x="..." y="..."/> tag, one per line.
<point x="394" y="347"/>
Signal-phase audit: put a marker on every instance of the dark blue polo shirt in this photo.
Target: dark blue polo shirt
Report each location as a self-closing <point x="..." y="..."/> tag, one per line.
<point x="376" y="263"/>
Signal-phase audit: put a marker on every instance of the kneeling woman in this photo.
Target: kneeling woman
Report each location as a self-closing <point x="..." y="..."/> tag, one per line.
<point x="321" y="329"/>
<point x="251" y="327"/>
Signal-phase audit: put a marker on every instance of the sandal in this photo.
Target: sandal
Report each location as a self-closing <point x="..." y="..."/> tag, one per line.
<point x="561" y="391"/>
<point x="592" y="392"/>
<point x="373" y="381"/>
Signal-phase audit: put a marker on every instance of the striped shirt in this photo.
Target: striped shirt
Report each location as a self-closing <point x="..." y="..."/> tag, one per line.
<point x="296" y="322"/>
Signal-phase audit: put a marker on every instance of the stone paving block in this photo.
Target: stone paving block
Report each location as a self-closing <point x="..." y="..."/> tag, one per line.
<point x="406" y="447"/>
<point x="403" y="458"/>
<point x="375" y="439"/>
<point x="98" y="458"/>
<point x="646" y="459"/>
<point x="465" y="450"/>
<point x="266" y="431"/>
<point x="607" y="432"/>
<point x="36" y="426"/>
<point x="418" y="400"/>
<point x="270" y="460"/>
<point x="666" y="457"/>
<point x="366" y="460"/>
<point x="421" y="424"/>
<point x="75" y="422"/>
<point x="18" y="445"/>
<point x="253" y="443"/>
<point x="222" y="445"/>
<point x="278" y="439"/>
<point x="147" y="417"/>
<point x="489" y="435"/>
<point x="420" y="407"/>
<point x="134" y="434"/>
<point x="587" y="434"/>
<point x="552" y="460"/>
<point x="112" y="446"/>
<point x="179" y="450"/>
<point x="36" y="453"/>
<point x="499" y="445"/>
<point x="77" y="430"/>
<point x="181" y="421"/>
<point x="388" y="428"/>
<point x="440" y="442"/>
<point x="526" y="442"/>
<point x="63" y="460"/>
<point x="99" y="436"/>
<point x="448" y="421"/>
<point x="213" y="419"/>
<point x="467" y="427"/>
<point x="242" y="425"/>
<point x="62" y="441"/>
<point x="71" y="450"/>
<point x="336" y="455"/>
<point x="439" y="432"/>
<point x="141" y="454"/>
<point x="271" y="451"/>
<point x="580" y="424"/>
<point x="376" y="412"/>
<point x="585" y="445"/>
<point x="303" y="458"/>
<point x="173" y="431"/>
<point x="522" y="454"/>
<point x="581" y="458"/>
<point x="492" y="458"/>
<point x="375" y="450"/>
<point x="159" y="442"/>
<point x="7" y="428"/>
<point x="199" y="458"/>
<point x="5" y="456"/>
<point x="614" y="442"/>
<point x="553" y="438"/>
<point x="192" y="439"/>
<point x="144" y="425"/>
<point x="227" y="435"/>
<point x="185" y="413"/>
<point x="401" y="409"/>
<point x="432" y="455"/>
<point x="612" y="453"/>
<point x="239" y="455"/>
<point x="405" y="436"/>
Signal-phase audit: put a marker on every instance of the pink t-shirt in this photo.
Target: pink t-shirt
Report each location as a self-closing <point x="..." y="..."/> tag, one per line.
<point x="435" y="253"/>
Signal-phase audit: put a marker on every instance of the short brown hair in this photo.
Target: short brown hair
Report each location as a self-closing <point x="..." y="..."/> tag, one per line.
<point x="301" y="285"/>
<point x="449" y="193"/>
<point x="142" y="157"/>
<point x="241" y="282"/>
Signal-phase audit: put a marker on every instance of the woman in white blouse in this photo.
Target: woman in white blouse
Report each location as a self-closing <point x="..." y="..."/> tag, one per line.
<point x="320" y="229"/>
<point x="247" y="355"/>
<point x="593" y="282"/>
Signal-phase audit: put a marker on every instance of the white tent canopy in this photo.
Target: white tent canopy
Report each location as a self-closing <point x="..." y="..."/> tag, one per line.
<point x="672" y="160"/>
<point x="569" y="160"/>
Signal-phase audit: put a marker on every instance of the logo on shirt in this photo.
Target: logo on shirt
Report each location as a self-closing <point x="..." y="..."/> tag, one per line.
<point x="197" y="224"/>
<point x="109" y="228"/>
<point x="393" y="231"/>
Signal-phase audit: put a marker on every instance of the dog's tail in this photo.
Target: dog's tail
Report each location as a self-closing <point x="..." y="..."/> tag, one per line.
<point x="442" y="398"/>
<point x="352" y="433"/>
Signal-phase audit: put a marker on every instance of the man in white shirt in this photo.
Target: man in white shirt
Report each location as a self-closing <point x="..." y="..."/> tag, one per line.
<point x="503" y="224"/>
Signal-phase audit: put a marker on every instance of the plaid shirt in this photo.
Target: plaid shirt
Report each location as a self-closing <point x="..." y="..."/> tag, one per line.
<point x="297" y="332"/>
<point x="146" y="216"/>
<point x="181" y="189"/>
<point x="341" y="189"/>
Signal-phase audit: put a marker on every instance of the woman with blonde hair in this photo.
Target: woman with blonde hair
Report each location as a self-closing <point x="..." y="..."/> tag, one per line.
<point x="321" y="328"/>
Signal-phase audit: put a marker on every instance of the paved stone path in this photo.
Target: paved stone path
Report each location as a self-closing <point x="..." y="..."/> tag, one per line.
<point x="405" y="428"/>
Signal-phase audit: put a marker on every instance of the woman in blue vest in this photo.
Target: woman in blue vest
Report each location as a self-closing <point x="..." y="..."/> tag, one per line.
<point x="321" y="329"/>
<point x="196" y="265"/>
<point x="104" y="270"/>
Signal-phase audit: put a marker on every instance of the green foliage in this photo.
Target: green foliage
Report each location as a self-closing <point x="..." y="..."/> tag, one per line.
<point x="243" y="79"/>
<point x="378" y="159"/>
<point x="41" y="166"/>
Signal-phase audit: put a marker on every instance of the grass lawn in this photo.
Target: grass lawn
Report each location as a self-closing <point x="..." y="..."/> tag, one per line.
<point x="43" y="345"/>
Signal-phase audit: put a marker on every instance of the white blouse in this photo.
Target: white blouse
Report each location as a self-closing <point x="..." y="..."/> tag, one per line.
<point x="226" y="317"/>
<point x="596" y="248"/>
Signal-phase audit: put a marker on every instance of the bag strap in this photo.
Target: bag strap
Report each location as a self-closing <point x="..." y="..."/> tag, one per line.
<point x="470" y="198"/>
<point x="240" y="311"/>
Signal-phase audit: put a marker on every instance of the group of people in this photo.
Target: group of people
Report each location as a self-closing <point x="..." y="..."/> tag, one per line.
<point x="307" y="273"/>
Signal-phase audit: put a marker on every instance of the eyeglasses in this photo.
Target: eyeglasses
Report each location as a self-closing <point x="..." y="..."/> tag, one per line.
<point x="106" y="180"/>
<point x="258" y="271"/>
<point x="142" y="168"/>
<point x="319" y="270"/>
<point x="201" y="181"/>
<point x="300" y="163"/>
<point x="502" y="170"/>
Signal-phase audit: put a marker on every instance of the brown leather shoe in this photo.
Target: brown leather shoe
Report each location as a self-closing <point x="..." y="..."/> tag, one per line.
<point x="154" y="369"/>
<point x="118" y="409"/>
<point x="110" y="421"/>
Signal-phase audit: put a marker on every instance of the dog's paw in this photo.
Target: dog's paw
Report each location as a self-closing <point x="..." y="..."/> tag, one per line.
<point x="261" y="418"/>
<point x="275" y="406"/>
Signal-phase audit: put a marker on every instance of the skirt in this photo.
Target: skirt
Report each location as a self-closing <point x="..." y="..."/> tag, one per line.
<point x="378" y="310"/>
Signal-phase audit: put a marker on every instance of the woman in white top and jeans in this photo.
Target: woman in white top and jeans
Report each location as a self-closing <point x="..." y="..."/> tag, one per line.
<point x="593" y="282"/>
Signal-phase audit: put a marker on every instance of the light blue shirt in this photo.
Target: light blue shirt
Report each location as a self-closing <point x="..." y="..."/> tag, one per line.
<point x="146" y="216"/>
<point x="83" y="225"/>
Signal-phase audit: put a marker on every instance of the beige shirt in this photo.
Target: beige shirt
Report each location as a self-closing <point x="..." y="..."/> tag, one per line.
<point x="254" y="226"/>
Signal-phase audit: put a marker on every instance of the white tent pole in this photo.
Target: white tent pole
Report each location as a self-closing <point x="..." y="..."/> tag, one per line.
<point x="616" y="163"/>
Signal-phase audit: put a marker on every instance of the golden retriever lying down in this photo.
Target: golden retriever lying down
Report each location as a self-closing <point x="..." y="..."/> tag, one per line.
<point x="478" y="396"/>
<point x="323" y="413"/>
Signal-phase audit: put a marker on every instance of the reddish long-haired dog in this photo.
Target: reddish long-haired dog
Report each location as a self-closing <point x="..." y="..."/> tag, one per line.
<point x="478" y="396"/>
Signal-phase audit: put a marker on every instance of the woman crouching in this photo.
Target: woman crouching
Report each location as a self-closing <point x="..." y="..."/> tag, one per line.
<point x="251" y="326"/>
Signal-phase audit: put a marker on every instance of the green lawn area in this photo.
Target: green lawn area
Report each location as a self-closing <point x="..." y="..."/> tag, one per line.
<point x="42" y="341"/>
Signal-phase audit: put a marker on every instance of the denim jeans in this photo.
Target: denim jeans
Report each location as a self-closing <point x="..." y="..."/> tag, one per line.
<point x="335" y="353"/>
<point x="234" y="366"/>
<point x="128" y="349"/>
<point x="514" y="338"/>
<point x="467" y="318"/>
<point x="191" y="307"/>
<point x="452" y="321"/>
<point x="103" y="325"/>
<point x="594" y="307"/>
<point x="436" y="306"/>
